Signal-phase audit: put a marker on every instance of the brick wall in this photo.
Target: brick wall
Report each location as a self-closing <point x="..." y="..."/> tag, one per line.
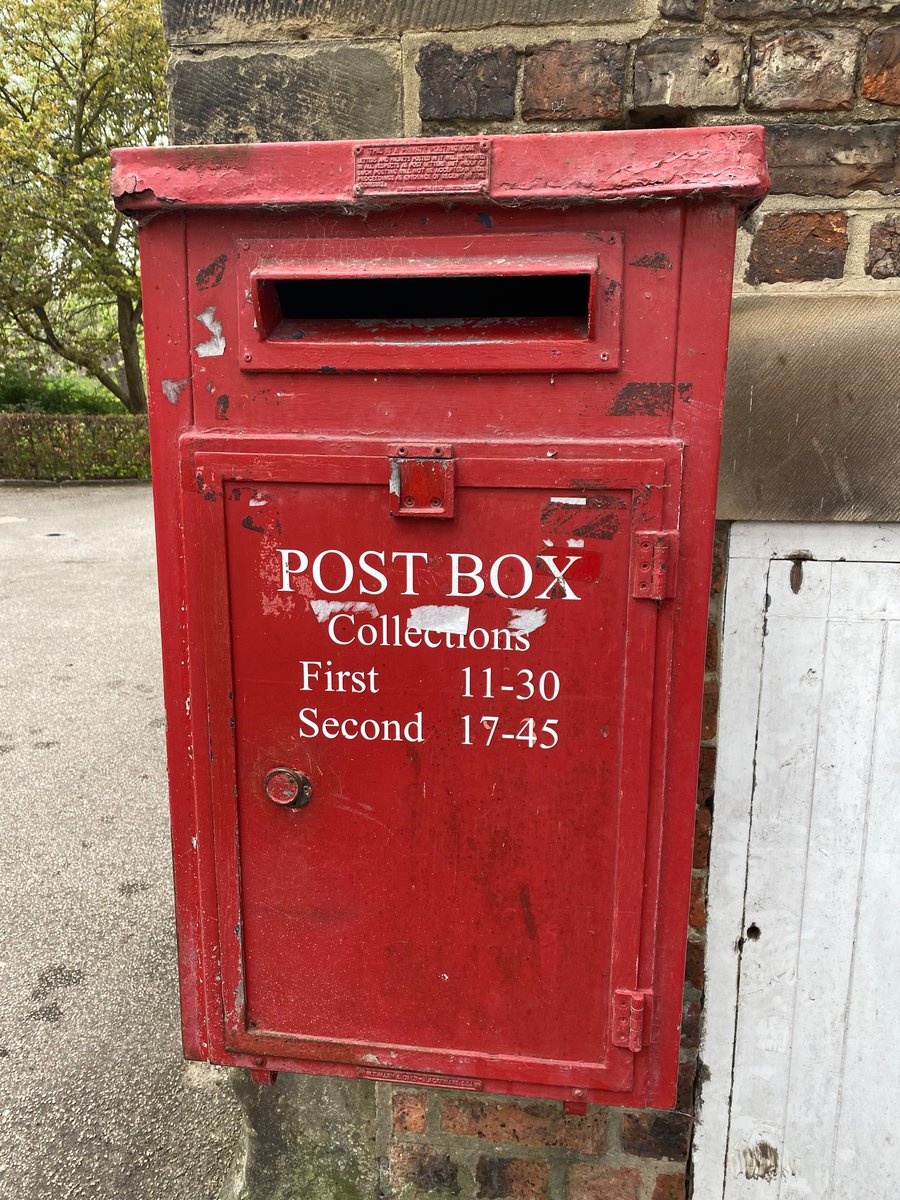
<point x="824" y="76"/>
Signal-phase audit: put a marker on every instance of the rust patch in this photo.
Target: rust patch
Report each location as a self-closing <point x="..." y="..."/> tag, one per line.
<point x="211" y="275"/>
<point x="598" y="517"/>
<point x="797" y="561"/>
<point x="656" y="262"/>
<point x="222" y="403"/>
<point x="759" y="1162"/>
<point x="247" y="523"/>
<point x="686" y="393"/>
<point x="643" y="400"/>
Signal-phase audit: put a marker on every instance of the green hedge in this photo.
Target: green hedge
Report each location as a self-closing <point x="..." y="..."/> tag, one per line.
<point x="44" y="446"/>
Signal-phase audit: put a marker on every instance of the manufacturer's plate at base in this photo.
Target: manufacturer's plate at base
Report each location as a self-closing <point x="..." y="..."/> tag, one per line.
<point x="421" y="1077"/>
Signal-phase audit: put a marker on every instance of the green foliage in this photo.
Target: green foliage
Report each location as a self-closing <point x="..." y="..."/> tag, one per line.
<point x="20" y="392"/>
<point x="43" y="446"/>
<point x="79" y="76"/>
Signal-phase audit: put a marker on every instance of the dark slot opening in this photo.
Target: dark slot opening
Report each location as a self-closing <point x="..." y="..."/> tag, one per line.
<point x="558" y="303"/>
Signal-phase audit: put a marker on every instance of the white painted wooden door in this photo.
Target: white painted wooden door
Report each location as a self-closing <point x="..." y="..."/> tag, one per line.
<point x="802" y="1029"/>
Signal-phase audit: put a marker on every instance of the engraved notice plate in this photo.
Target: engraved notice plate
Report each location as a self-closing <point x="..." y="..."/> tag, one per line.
<point x="389" y="168"/>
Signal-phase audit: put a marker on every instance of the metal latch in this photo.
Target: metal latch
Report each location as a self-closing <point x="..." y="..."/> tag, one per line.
<point x="653" y="556"/>
<point x="422" y="479"/>
<point x="629" y="1010"/>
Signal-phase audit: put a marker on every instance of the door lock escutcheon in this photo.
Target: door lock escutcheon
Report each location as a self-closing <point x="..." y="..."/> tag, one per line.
<point x="288" y="788"/>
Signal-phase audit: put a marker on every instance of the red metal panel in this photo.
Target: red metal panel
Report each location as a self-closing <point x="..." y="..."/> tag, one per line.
<point x="401" y="853"/>
<point x="589" y="167"/>
<point x="360" y="963"/>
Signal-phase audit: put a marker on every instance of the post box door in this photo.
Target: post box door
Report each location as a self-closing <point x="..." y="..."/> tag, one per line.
<point x="430" y="675"/>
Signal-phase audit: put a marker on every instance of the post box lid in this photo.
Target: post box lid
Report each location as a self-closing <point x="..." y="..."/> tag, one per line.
<point x="558" y="168"/>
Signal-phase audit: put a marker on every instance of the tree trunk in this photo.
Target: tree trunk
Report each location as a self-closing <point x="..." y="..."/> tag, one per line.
<point x="136" y="400"/>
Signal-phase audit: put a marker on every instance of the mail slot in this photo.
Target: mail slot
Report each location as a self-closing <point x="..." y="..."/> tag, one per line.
<point x="435" y="430"/>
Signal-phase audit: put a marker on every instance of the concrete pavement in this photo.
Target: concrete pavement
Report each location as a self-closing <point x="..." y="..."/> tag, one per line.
<point x="95" y="1100"/>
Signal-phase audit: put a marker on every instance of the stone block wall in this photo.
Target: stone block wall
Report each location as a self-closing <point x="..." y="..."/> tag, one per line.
<point x="824" y="77"/>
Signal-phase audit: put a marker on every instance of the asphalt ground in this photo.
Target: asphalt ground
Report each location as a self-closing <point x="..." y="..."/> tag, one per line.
<point x="95" y="1098"/>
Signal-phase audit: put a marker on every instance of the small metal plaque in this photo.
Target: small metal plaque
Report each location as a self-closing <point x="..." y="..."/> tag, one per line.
<point x="456" y="1082"/>
<point x="392" y="168"/>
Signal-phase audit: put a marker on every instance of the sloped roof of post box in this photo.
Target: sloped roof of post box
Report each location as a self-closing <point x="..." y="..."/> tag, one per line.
<point x="650" y="164"/>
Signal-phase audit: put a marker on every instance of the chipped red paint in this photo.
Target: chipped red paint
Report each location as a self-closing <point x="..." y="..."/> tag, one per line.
<point x="542" y="168"/>
<point x="445" y="580"/>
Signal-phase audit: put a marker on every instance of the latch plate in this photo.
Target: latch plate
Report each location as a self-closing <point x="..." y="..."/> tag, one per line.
<point x="422" y="481"/>
<point x="653" y="558"/>
<point x="630" y="1010"/>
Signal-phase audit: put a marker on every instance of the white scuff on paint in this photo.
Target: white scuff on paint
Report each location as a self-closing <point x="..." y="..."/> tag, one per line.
<point x="440" y="618"/>
<point x="172" y="389"/>
<point x="568" y="500"/>
<point x="394" y="486"/>
<point x="258" y="501"/>
<point x="526" y="620"/>
<point x="575" y="543"/>
<point x="325" y="609"/>
<point x="214" y="347"/>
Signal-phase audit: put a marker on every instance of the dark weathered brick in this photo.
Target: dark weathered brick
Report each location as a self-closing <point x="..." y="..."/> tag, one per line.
<point x="683" y="10"/>
<point x="697" y="916"/>
<point x="695" y="964"/>
<point x="883" y="257"/>
<point x="520" y="1179"/>
<point x="710" y="710"/>
<point x="688" y="72"/>
<point x="476" y="86"/>
<point x="833" y="160"/>
<point x="702" y="831"/>
<point x="712" y="645"/>
<point x="669" y="1187"/>
<point x="426" y="1169"/>
<point x="535" y="1123"/>
<point x="574" y="81"/>
<point x="798" y="247"/>
<point x="595" y="1181"/>
<point x="236" y="21"/>
<point x="656" y="1134"/>
<point x="803" y="70"/>
<point x="690" y="1019"/>
<point x="707" y="774"/>
<point x="408" y="1111"/>
<point x="881" y="68"/>
<point x="322" y="92"/>
<point x="687" y="1077"/>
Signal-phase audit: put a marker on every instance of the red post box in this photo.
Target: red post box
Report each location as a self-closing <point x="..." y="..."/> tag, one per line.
<point x="435" y="430"/>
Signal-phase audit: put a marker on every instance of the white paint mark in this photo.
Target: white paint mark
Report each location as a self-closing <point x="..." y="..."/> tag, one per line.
<point x="324" y="609"/>
<point x="172" y="389"/>
<point x="568" y="500"/>
<point x="215" y="346"/>
<point x="526" y="620"/>
<point x="258" y="501"/>
<point x="549" y="542"/>
<point x="442" y="618"/>
<point x="575" y="543"/>
<point x="394" y="486"/>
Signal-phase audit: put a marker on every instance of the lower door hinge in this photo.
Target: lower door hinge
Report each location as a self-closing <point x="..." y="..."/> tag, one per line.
<point x="630" y="1012"/>
<point x="653" y="556"/>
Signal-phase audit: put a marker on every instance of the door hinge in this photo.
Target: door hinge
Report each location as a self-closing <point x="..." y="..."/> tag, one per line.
<point x="630" y="1010"/>
<point x="653" y="558"/>
<point x="422" y="481"/>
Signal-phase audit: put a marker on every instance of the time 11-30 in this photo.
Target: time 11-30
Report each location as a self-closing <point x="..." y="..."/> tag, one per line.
<point x="527" y="684"/>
